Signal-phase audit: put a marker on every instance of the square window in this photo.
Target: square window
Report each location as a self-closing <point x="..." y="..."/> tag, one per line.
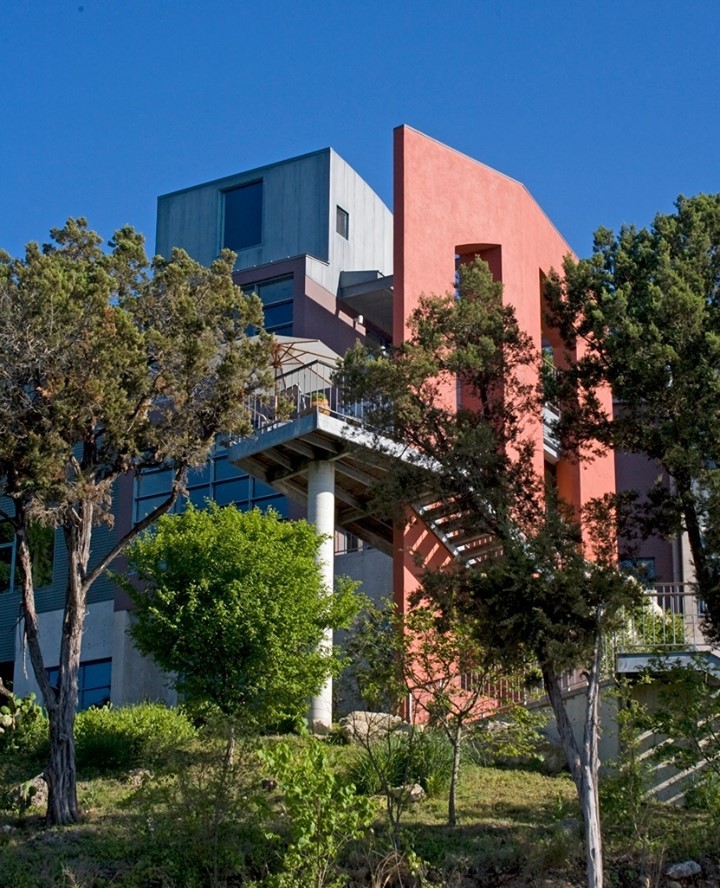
<point x="342" y="223"/>
<point x="243" y="216"/>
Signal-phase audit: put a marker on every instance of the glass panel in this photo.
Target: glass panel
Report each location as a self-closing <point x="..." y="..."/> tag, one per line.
<point x="200" y="495"/>
<point x="96" y="675"/>
<point x="145" y="506"/>
<point x="224" y="470"/>
<point x="278" y="314"/>
<point x="260" y="489"/>
<point x="94" y="697"/>
<point x="227" y="493"/>
<point x="278" y="290"/>
<point x="243" y="216"/>
<point x="199" y="476"/>
<point x="155" y="482"/>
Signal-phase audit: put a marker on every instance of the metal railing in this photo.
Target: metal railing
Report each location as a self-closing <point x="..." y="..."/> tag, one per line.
<point x="310" y="388"/>
<point x="670" y="618"/>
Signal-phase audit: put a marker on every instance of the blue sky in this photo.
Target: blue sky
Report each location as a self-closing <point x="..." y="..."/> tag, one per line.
<point x="605" y="111"/>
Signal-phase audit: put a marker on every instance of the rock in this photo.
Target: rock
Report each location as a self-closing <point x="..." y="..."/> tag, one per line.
<point x="362" y="726"/>
<point x="410" y="792"/>
<point x="672" y="884"/>
<point x="685" y="870"/>
<point x="31" y="792"/>
<point x="137" y="777"/>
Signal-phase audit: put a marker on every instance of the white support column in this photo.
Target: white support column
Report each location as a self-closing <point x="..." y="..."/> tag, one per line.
<point x="321" y="513"/>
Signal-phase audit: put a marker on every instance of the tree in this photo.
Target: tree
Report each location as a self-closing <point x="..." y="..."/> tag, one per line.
<point x="108" y="364"/>
<point x="233" y="604"/>
<point x="532" y="592"/>
<point x="646" y="306"/>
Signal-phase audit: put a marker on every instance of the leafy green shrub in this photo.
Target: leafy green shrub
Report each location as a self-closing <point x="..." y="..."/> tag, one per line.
<point x="110" y="739"/>
<point x="411" y="756"/>
<point x="322" y="814"/>
<point x="704" y="795"/>
<point x="206" y="824"/>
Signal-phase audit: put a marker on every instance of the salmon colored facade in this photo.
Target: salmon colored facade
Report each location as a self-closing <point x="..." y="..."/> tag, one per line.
<point x="448" y="208"/>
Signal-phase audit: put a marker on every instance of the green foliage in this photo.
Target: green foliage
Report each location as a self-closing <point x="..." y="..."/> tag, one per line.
<point x="512" y="735"/>
<point x="20" y="718"/>
<point x="109" y="739"/>
<point x="406" y="756"/>
<point x="233" y="603"/>
<point x="646" y="307"/>
<point x="207" y="821"/>
<point x="624" y="786"/>
<point x="321" y="812"/>
<point x="688" y="715"/>
<point x="110" y="363"/>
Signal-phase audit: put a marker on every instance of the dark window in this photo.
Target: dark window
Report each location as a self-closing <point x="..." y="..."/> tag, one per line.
<point x="277" y="298"/>
<point x="243" y="216"/>
<point x="342" y="222"/>
<point x="642" y="569"/>
<point x="94" y="679"/>
<point x="217" y="480"/>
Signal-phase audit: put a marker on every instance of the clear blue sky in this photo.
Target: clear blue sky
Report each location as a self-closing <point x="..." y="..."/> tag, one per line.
<point x="606" y="111"/>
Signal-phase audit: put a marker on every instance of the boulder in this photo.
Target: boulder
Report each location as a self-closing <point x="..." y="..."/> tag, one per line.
<point x="364" y="727"/>
<point x="688" y="869"/>
<point x="410" y="792"/>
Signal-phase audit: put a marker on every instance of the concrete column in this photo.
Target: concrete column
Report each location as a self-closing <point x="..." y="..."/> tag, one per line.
<point x="321" y="513"/>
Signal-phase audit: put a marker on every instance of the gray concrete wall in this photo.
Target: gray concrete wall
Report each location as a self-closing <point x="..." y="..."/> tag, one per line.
<point x="135" y="678"/>
<point x="97" y="643"/>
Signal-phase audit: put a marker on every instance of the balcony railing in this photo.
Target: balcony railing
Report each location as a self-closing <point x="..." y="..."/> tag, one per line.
<point x="670" y="618"/>
<point x="311" y="388"/>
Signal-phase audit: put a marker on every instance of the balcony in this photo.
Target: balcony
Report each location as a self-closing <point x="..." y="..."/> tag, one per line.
<point x="667" y="628"/>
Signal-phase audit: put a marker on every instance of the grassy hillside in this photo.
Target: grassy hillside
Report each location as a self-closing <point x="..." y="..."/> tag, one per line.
<point x="166" y="811"/>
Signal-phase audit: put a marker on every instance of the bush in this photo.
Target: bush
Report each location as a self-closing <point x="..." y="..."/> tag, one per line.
<point x="412" y="756"/>
<point x="110" y="739"/>
<point x="205" y="822"/>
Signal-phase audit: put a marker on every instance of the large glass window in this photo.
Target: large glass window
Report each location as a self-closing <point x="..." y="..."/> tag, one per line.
<point x="217" y="480"/>
<point x="243" y="216"/>
<point x="94" y="680"/>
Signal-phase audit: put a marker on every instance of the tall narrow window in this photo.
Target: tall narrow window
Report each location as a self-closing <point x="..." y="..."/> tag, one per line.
<point x="243" y="216"/>
<point x="342" y="222"/>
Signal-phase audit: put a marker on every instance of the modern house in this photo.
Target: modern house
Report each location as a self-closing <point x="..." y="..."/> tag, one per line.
<point x="330" y="264"/>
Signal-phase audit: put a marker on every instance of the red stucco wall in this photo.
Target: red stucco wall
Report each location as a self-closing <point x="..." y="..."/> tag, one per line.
<point x="447" y="203"/>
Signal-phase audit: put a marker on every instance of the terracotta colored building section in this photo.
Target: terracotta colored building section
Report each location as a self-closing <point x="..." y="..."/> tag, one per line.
<point x="449" y="207"/>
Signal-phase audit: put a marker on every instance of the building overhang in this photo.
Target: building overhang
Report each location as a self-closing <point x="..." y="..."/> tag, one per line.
<point x="280" y="456"/>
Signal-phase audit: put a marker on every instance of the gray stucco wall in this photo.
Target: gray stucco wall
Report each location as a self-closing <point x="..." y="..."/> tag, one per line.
<point x="300" y="200"/>
<point x="294" y="213"/>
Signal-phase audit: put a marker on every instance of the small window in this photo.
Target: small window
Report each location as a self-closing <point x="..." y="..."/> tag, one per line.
<point x="342" y="223"/>
<point x="243" y="216"/>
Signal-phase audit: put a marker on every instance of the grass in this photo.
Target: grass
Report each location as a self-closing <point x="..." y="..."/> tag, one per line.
<point x="516" y="828"/>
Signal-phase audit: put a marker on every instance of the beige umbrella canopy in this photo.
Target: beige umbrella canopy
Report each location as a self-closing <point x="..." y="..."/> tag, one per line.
<point x="301" y="367"/>
<point x="292" y="353"/>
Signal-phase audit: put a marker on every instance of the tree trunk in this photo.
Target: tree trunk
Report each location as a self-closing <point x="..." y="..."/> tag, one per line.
<point x="456" y="739"/>
<point x="584" y="764"/>
<point x="60" y="773"/>
<point x="590" y="767"/>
